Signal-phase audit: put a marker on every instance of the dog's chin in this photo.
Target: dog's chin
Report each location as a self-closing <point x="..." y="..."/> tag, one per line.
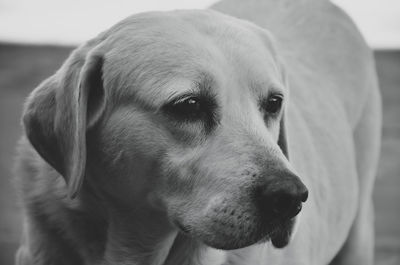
<point x="279" y="233"/>
<point x="232" y="243"/>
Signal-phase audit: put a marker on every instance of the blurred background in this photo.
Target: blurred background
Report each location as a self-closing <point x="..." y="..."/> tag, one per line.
<point x="37" y="35"/>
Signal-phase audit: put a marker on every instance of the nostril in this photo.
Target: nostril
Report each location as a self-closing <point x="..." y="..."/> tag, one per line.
<point x="281" y="203"/>
<point x="295" y="210"/>
<point x="304" y="195"/>
<point x="286" y="205"/>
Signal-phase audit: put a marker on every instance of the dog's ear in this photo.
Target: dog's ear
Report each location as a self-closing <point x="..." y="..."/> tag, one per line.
<point x="282" y="138"/>
<point x="58" y="113"/>
<point x="270" y="43"/>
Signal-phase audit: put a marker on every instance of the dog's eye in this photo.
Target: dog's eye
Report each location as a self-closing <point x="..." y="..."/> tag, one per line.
<point x="273" y="104"/>
<point x="189" y="108"/>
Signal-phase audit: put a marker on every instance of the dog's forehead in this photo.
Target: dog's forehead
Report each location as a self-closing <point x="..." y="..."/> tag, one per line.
<point x="155" y="56"/>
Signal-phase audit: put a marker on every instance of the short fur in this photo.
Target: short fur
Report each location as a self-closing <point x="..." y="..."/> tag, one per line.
<point x="107" y="175"/>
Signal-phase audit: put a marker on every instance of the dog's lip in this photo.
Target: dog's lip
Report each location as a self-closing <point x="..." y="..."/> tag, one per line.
<point x="281" y="233"/>
<point x="277" y="231"/>
<point x="181" y="227"/>
<point x="280" y="240"/>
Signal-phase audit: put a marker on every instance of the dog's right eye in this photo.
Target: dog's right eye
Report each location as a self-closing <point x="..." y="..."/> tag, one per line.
<point x="187" y="108"/>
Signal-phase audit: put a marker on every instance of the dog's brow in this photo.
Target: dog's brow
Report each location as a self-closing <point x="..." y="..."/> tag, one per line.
<point x="203" y="84"/>
<point x="206" y="82"/>
<point x="264" y="89"/>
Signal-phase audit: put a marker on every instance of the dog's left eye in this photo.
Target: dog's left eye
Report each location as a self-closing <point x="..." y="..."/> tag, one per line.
<point x="273" y="104"/>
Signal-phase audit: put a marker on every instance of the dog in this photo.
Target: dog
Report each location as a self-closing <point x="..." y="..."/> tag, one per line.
<point x="193" y="137"/>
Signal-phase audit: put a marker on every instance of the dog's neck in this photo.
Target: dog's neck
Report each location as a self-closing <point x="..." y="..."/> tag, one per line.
<point x="187" y="251"/>
<point x="144" y="236"/>
<point x="137" y="236"/>
<point x="146" y="247"/>
<point x="127" y="249"/>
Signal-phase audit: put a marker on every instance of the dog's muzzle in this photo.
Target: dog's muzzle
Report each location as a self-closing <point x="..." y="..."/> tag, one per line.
<point x="279" y="200"/>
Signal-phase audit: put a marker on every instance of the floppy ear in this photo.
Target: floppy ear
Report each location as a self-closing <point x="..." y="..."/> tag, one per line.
<point x="59" y="111"/>
<point x="270" y="43"/>
<point x="282" y="138"/>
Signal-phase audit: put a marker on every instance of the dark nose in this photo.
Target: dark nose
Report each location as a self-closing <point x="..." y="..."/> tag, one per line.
<point x="281" y="197"/>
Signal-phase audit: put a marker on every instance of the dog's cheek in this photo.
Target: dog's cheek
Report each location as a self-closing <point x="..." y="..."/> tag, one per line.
<point x="126" y="150"/>
<point x="191" y="189"/>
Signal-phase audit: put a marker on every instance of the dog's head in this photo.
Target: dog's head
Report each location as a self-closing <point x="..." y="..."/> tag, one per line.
<point x="182" y="112"/>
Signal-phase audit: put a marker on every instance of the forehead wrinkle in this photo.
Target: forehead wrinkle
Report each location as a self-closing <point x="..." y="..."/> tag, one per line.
<point x="150" y="77"/>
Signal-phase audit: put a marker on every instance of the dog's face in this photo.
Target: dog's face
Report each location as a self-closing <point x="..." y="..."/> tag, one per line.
<point x="184" y="114"/>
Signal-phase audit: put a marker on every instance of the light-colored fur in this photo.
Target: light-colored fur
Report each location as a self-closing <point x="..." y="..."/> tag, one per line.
<point x="107" y="176"/>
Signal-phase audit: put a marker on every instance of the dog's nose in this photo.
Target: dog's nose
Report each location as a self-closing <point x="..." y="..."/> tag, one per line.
<point x="282" y="197"/>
